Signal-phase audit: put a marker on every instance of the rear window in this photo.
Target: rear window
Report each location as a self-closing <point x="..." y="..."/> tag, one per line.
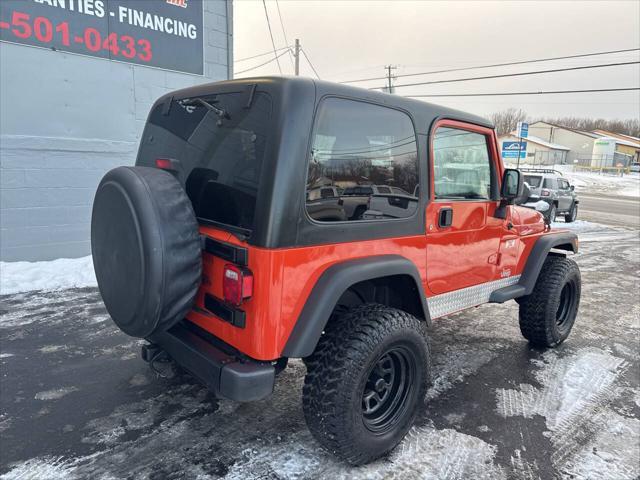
<point x="533" y="180"/>
<point x="219" y="142"/>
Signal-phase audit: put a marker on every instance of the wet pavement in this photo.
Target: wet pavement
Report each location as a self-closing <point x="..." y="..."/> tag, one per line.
<point x="77" y="402"/>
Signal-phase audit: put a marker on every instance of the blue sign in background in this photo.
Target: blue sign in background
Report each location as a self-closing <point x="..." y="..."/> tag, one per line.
<point x="523" y="129"/>
<point x="510" y="149"/>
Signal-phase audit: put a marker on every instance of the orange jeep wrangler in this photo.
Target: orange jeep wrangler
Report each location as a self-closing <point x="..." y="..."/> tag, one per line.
<point x="227" y="246"/>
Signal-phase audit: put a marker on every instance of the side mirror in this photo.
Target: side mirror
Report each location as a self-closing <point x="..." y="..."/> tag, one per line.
<point x="512" y="185"/>
<point x="524" y="196"/>
<point x="572" y="187"/>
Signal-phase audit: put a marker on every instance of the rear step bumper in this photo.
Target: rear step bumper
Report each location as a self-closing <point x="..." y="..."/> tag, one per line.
<point x="224" y="374"/>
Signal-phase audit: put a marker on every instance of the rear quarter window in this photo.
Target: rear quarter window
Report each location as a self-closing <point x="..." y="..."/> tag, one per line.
<point x="358" y="146"/>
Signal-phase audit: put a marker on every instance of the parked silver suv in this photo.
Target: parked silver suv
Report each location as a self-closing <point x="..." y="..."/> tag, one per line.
<point x="551" y="194"/>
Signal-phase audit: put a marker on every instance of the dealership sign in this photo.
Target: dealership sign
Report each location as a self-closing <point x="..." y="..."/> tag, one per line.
<point x="511" y="149"/>
<point x="159" y="33"/>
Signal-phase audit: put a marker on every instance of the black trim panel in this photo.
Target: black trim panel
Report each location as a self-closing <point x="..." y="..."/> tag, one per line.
<point x="226" y="251"/>
<point x="563" y="241"/>
<point x="224" y="374"/>
<point x="234" y="316"/>
<point x="329" y="288"/>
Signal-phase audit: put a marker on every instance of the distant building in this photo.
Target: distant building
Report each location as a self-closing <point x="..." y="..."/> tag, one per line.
<point x="580" y="143"/>
<point x="625" y="144"/>
<point x="587" y="147"/>
<point x="539" y="152"/>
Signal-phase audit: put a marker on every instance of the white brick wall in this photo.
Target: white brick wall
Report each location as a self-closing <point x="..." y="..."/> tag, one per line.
<point x="67" y="119"/>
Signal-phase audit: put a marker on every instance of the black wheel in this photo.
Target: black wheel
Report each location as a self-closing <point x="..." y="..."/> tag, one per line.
<point x="359" y="212"/>
<point x="551" y="213"/>
<point x="366" y="381"/>
<point x="549" y="312"/>
<point x="572" y="215"/>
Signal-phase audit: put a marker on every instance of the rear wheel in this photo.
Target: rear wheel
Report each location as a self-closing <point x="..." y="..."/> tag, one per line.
<point x="547" y="315"/>
<point x="572" y="215"/>
<point x="366" y="381"/>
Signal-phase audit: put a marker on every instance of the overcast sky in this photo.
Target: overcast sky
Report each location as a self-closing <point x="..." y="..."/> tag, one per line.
<point x="354" y="39"/>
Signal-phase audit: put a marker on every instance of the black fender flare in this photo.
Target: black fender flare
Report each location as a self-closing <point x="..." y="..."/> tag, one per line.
<point x="333" y="282"/>
<point x="567" y="241"/>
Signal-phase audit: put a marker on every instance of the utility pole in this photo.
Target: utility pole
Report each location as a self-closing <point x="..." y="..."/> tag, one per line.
<point x="296" y="55"/>
<point x="390" y="88"/>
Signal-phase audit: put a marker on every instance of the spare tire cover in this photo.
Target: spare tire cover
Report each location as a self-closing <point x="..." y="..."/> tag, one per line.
<point x="146" y="249"/>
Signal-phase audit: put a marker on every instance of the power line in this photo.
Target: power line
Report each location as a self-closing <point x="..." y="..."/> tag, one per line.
<point x="521" y="62"/>
<point x="273" y="44"/>
<point x="310" y="64"/>
<point x="503" y="75"/>
<point x="284" y="33"/>
<point x="270" y="52"/>
<point x="275" y="59"/>
<point x="549" y="92"/>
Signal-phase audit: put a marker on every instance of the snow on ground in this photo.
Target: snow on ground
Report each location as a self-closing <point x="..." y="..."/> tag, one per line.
<point x="588" y="438"/>
<point x="57" y="274"/>
<point x="579" y="226"/>
<point x="592" y="182"/>
<point x="570" y="413"/>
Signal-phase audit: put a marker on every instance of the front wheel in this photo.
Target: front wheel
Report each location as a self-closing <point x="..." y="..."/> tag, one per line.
<point x="365" y="382"/>
<point x="547" y="315"/>
<point x="572" y="215"/>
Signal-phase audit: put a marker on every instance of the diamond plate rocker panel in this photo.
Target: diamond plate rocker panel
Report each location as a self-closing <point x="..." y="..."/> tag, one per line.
<point x="441" y="305"/>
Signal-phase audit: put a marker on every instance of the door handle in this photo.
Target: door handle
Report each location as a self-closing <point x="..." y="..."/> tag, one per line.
<point x="445" y="217"/>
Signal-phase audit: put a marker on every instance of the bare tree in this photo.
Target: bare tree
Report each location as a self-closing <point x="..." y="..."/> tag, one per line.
<point x="506" y="121"/>
<point x="629" y="126"/>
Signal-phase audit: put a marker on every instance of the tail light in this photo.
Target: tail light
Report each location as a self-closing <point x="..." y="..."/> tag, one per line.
<point x="164" y="163"/>
<point x="545" y="192"/>
<point x="237" y="284"/>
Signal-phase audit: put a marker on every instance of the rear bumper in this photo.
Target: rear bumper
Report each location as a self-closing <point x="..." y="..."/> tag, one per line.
<point x="222" y="372"/>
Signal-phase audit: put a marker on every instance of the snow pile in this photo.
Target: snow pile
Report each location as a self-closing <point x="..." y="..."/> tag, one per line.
<point x="51" y="275"/>
<point x="579" y="226"/>
<point x="591" y="182"/>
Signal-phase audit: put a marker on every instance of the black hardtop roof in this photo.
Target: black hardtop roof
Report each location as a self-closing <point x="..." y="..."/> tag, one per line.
<point x="418" y="108"/>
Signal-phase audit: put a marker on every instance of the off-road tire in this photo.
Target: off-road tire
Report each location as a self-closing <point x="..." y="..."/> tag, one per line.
<point x="547" y="315"/>
<point x="341" y="369"/>
<point x="572" y="215"/>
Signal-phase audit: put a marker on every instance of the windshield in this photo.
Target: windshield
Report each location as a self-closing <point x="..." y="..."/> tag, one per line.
<point x="219" y="143"/>
<point x="532" y="180"/>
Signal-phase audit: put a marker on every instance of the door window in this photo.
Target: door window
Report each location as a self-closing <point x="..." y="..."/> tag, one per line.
<point x="364" y="150"/>
<point x="462" y="165"/>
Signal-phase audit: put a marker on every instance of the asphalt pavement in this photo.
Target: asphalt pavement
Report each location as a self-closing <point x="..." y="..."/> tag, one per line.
<point x="610" y="209"/>
<point x="77" y="402"/>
